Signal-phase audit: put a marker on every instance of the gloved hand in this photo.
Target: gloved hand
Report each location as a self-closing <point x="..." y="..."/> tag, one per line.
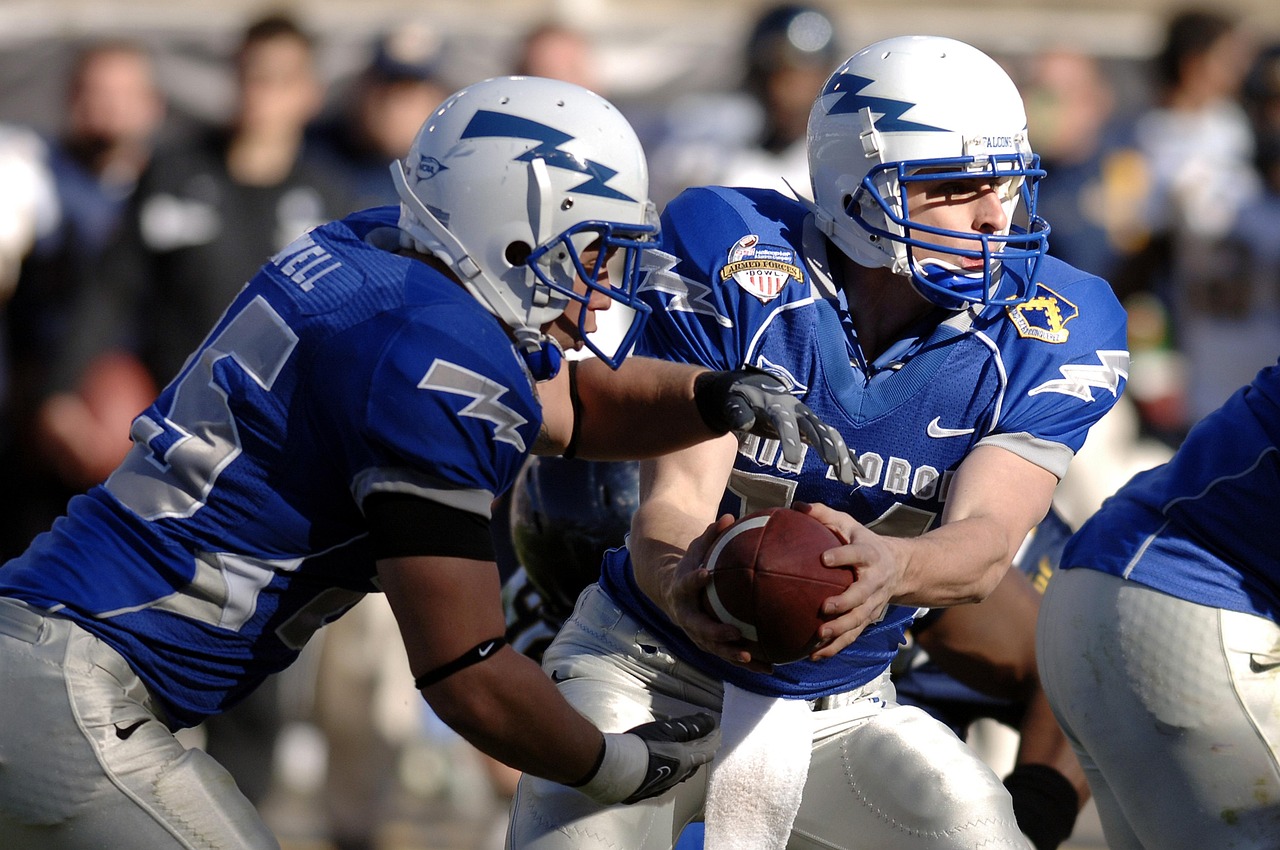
<point x="754" y="402"/>
<point x="651" y="758"/>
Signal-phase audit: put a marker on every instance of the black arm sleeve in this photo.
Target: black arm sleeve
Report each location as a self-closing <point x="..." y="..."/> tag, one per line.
<point x="402" y="526"/>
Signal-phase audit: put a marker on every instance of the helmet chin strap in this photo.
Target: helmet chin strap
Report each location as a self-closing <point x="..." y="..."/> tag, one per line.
<point x="936" y="270"/>
<point x="545" y="360"/>
<point x="945" y="276"/>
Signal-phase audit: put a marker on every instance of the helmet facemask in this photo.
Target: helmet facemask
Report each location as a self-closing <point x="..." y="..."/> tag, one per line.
<point x="881" y="208"/>
<point x="558" y="262"/>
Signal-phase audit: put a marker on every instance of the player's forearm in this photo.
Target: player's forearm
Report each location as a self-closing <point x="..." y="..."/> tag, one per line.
<point x="660" y="535"/>
<point x="957" y="563"/>
<point x="508" y="709"/>
<point x="680" y="495"/>
<point x="644" y="409"/>
<point x="996" y="497"/>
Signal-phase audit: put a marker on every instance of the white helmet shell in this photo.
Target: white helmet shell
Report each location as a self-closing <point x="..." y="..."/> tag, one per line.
<point x="510" y="179"/>
<point x="916" y="102"/>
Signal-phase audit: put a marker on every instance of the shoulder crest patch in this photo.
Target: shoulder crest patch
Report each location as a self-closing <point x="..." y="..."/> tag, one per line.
<point x="1043" y="316"/>
<point x="762" y="270"/>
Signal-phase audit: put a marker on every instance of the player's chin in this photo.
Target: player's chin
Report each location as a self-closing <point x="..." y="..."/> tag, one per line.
<point x="566" y="335"/>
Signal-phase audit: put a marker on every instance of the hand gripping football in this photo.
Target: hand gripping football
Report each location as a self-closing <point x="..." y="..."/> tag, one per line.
<point x="767" y="579"/>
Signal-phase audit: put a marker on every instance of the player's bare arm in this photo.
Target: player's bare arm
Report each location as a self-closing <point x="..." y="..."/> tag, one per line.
<point x="591" y="411"/>
<point x="604" y="405"/>
<point x="446" y="607"/>
<point x="670" y="533"/>
<point x="996" y="498"/>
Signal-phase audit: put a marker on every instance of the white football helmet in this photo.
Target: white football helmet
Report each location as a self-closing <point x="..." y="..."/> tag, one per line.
<point x="509" y="181"/>
<point x="916" y="103"/>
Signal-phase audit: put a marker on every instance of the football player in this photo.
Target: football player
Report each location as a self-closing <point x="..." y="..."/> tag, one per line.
<point x="1159" y="639"/>
<point x="343" y="429"/>
<point x="959" y="664"/>
<point x="908" y="308"/>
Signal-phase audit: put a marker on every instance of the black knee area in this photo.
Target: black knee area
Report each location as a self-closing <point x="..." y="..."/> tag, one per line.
<point x="1045" y="804"/>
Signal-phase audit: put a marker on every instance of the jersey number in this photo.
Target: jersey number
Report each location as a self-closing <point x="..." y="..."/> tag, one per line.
<point x="176" y="461"/>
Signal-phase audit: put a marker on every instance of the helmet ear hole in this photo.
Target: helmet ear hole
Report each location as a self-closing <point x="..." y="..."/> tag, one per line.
<point x="517" y="253"/>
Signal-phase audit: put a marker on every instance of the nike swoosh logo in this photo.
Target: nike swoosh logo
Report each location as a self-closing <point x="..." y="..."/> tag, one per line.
<point x="487" y="649"/>
<point x="124" y="733"/>
<point x="1261" y="667"/>
<point x="557" y="678"/>
<point x="656" y="779"/>
<point x="937" y="431"/>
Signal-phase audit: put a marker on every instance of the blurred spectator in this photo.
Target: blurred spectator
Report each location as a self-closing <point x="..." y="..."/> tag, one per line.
<point x="1229" y="297"/>
<point x="558" y="51"/>
<point x="1094" y="199"/>
<point x="113" y="113"/>
<point x="1097" y="177"/>
<point x="1262" y="95"/>
<point x="757" y="136"/>
<point x="789" y="54"/>
<point x="1199" y="148"/>
<point x="29" y="203"/>
<point x="28" y="211"/>
<point x="1197" y="139"/>
<point x="366" y="715"/>
<point x="379" y="118"/>
<point x="208" y="211"/>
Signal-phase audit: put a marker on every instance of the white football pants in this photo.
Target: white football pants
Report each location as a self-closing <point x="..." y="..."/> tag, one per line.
<point x="889" y="779"/>
<point x="85" y="761"/>
<point x="1173" y="709"/>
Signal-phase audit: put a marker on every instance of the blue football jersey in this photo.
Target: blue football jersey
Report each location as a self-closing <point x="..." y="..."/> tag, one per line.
<point x="1199" y="527"/>
<point x="743" y="279"/>
<point x="234" y="528"/>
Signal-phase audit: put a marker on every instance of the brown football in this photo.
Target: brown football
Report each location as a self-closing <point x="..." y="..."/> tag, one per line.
<point x="767" y="579"/>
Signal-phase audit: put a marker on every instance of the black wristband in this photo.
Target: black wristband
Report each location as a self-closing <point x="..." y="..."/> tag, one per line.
<point x="575" y="402"/>
<point x="595" y="768"/>
<point x="485" y="649"/>
<point x="709" y="392"/>
<point x="1045" y="804"/>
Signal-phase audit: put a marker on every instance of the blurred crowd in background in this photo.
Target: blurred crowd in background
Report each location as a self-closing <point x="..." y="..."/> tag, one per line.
<point x="130" y="216"/>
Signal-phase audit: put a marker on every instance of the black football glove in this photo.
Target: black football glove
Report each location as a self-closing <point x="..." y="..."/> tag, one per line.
<point x="651" y="758"/>
<point x="754" y="402"/>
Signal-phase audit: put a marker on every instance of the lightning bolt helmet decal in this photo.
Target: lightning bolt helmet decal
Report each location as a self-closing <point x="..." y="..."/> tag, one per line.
<point x="890" y="110"/>
<point x="487" y="124"/>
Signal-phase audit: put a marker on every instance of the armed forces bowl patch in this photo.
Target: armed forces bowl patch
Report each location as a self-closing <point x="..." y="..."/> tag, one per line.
<point x="762" y="270"/>
<point x="1044" y="316"/>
